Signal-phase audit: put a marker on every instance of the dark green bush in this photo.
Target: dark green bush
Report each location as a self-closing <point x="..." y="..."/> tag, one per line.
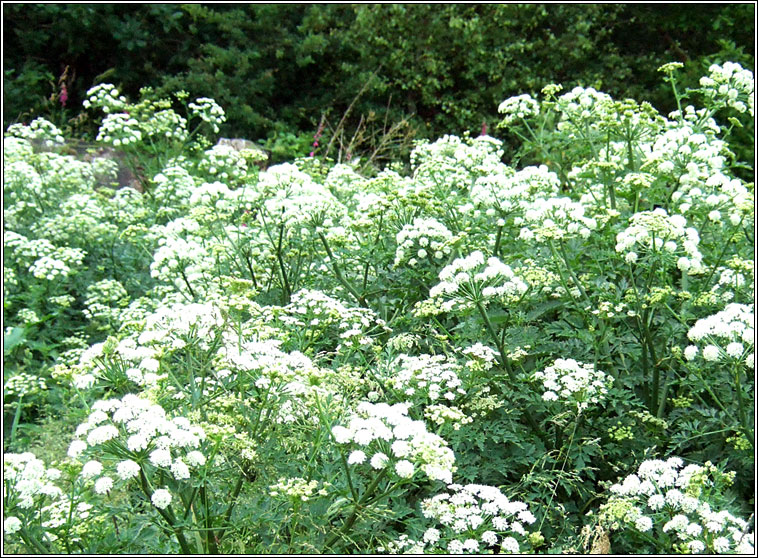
<point x="284" y="67"/>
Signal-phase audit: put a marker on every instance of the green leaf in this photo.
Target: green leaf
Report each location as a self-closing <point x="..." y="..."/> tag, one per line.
<point x="14" y="337"/>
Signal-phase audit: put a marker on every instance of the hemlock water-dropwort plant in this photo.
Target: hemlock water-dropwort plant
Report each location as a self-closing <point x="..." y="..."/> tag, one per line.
<point x="456" y="354"/>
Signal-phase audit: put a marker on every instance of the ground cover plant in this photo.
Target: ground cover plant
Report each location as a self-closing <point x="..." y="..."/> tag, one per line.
<point x="552" y="353"/>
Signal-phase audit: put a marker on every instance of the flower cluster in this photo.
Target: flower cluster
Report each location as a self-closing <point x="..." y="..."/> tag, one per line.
<point x="222" y="162"/>
<point x="728" y="335"/>
<point x="395" y="441"/>
<point x="39" y="131"/>
<point x="519" y="107"/>
<point x="27" y="482"/>
<point x="23" y="384"/>
<point x="581" y="104"/>
<point x="166" y="124"/>
<point x="470" y="280"/>
<point x="295" y="199"/>
<point x="139" y="432"/>
<point x="507" y="191"/>
<point x="730" y="84"/>
<point x="548" y="219"/>
<point x="104" y="300"/>
<point x="315" y="315"/>
<point x="173" y="187"/>
<point x="430" y="377"/>
<point x="106" y="97"/>
<point x="119" y="130"/>
<point x="208" y="111"/>
<point x="423" y="241"/>
<point x="296" y="488"/>
<point x="471" y="519"/>
<point x="454" y="163"/>
<point x="657" y="232"/>
<point x="665" y="498"/>
<point x="574" y="383"/>
<point x="58" y="264"/>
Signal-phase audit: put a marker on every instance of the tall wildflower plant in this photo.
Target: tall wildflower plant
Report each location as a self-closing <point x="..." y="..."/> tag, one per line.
<point x="549" y="354"/>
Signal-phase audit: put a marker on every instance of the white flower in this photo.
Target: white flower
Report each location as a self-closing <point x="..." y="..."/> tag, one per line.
<point x="404" y="469"/>
<point x="195" y="459"/>
<point x="127" y="469"/>
<point x="510" y="545"/>
<point x="735" y="350"/>
<point x="721" y="545"/>
<point x="160" y="458"/>
<point x="379" y="461"/>
<point x="643" y="523"/>
<point x="711" y="353"/>
<point x="76" y="448"/>
<point x="11" y="525"/>
<point x="690" y="352"/>
<point x="102" y="434"/>
<point x="92" y="469"/>
<point x="656" y="502"/>
<point x="356" y="457"/>
<point x="103" y="485"/>
<point x="431" y="535"/>
<point x="161" y="498"/>
<point x="180" y="470"/>
<point x="489" y="537"/>
<point x="400" y="448"/>
<point x="341" y="434"/>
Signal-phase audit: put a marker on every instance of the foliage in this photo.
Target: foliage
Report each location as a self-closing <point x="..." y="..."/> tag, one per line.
<point x="279" y="69"/>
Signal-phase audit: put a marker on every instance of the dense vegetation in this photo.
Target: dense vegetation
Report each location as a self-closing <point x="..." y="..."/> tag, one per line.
<point x="281" y="70"/>
<point x="451" y="354"/>
<point x="531" y="330"/>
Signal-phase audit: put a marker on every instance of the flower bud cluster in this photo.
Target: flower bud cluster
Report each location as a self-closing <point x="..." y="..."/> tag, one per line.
<point x="119" y="130"/>
<point x="208" y="111"/>
<point x="548" y="219"/>
<point x="730" y="84"/>
<point x="425" y="377"/>
<point x="39" y="131"/>
<point x="106" y="97"/>
<point x="224" y="163"/>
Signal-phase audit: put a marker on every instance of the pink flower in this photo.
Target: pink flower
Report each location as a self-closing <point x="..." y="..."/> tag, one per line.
<point x="63" y="97"/>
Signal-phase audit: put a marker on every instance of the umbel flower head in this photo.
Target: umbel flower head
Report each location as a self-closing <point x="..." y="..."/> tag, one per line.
<point x="404" y="444"/>
<point x="573" y="383"/>
<point x="467" y="281"/>
<point x="669" y="501"/>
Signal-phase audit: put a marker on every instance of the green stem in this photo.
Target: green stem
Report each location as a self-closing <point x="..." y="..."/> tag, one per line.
<point x="571" y="271"/>
<point x="32" y="541"/>
<point x="338" y="273"/>
<point x="354" y="515"/>
<point x="506" y="365"/>
<point x="565" y="460"/>
<point x="228" y="514"/>
<point x="741" y="406"/>
<point x="16" y="419"/>
<point x="280" y="259"/>
<point x="167" y="515"/>
<point x="210" y="538"/>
